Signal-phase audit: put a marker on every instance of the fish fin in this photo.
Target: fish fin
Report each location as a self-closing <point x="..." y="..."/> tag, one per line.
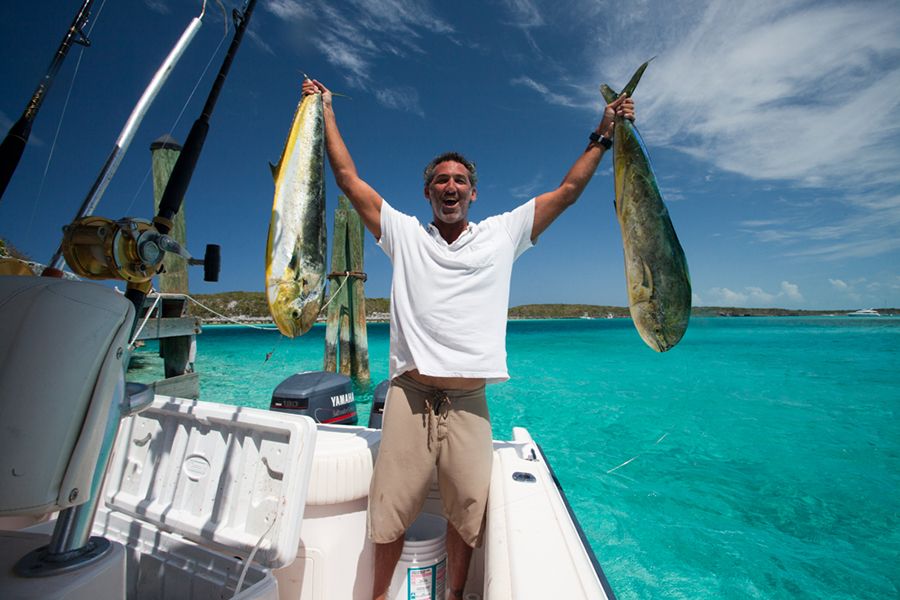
<point x="608" y="93"/>
<point x="628" y="90"/>
<point x="274" y="169"/>
<point x="643" y="290"/>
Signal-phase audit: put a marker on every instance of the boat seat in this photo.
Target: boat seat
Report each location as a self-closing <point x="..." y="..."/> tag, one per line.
<point x="62" y="346"/>
<point x="342" y="464"/>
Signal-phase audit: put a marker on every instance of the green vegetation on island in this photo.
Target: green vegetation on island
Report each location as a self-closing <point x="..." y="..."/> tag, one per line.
<point x="251" y="306"/>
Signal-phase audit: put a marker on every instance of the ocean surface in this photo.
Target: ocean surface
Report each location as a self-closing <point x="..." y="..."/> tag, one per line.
<point x="760" y="458"/>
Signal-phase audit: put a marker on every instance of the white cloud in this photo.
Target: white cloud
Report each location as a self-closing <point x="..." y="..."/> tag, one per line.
<point x="544" y="91"/>
<point x="791" y="291"/>
<point x="838" y="284"/>
<point x="356" y="37"/>
<point x="752" y="296"/>
<point x="405" y="98"/>
<point x="525" y="16"/>
<point x="524" y="13"/>
<point x="867" y="227"/>
<point x="784" y="90"/>
<point x="405" y="17"/>
<point x="529" y="188"/>
<point x="289" y="10"/>
<point x="158" y="6"/>
<point x="791" y="90"/>
<point x="259" y="41"/>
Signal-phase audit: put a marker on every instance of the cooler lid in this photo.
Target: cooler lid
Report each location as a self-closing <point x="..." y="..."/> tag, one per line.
<point x="227" y="477"/>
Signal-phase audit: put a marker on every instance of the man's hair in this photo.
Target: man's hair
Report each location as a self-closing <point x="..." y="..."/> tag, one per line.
<point x="455" y="157"/>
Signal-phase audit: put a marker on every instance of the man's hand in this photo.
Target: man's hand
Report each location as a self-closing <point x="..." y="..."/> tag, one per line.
<point x="311" y="86"/>
<point x="623" y="106"/>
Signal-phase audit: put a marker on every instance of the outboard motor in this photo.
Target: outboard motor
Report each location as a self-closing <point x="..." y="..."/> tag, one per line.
<point x="379" y="396"/>
<point x="325" y="396"/>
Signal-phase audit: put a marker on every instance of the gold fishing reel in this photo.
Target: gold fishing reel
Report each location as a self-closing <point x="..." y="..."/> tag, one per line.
<point x="128" y="249"/>
<point x="100" y="248"/>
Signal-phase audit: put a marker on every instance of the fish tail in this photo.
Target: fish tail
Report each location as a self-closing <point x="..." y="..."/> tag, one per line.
<point x="609" y="94"/>
<point x="628" y="90"/>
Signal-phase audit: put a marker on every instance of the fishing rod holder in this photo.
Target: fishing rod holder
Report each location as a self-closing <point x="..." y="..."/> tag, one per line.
<point x="128" y="249"/>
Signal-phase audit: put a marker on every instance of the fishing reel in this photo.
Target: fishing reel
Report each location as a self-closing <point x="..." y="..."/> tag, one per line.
<point x="129" y="249"/>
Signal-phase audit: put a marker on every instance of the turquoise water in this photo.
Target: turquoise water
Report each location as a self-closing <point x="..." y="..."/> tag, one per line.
<point x="760" y="458"/>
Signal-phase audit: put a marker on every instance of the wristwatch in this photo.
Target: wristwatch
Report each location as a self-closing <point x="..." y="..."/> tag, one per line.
<point x="600" y="139"/>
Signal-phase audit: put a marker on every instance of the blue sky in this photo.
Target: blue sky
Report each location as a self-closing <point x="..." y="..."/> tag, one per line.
<point x="772" y="125"/>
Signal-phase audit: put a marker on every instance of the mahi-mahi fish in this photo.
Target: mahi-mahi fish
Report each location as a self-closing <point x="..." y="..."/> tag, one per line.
<point x="656" y="271"/>
<point x="295" y="252"/>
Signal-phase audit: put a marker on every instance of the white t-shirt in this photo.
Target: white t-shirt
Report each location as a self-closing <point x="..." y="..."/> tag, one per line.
<point x="449" y="302"/>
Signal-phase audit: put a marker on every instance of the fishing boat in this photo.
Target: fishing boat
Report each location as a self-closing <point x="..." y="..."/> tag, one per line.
<point x="108" y="491"/>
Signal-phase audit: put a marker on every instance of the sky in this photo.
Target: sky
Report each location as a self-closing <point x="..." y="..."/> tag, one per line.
<point x="772" y="127"/>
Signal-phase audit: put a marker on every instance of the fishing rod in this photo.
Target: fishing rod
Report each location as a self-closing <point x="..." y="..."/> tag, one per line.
<point x="180" y="179"/>
<point x="133" y="249"/>
<point x="13" y="145"/>
<point x="183" y="170"/>
<point x="89" y="205"/>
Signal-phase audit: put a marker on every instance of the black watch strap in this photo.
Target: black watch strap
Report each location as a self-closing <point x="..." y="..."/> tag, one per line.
<point x="600" y="139"/>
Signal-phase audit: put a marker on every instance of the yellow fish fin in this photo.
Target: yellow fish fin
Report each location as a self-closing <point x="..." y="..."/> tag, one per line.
<point x="642" y="290"/>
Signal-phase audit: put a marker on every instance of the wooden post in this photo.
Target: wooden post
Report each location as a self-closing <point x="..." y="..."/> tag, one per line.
<point x="360" y="339"/>
<point x="177" y="352"/>
<point x="338" y="265"/>
<point x="165" y="152"/>
<point x="346" y="321"/>
<point x="346" y="332"/>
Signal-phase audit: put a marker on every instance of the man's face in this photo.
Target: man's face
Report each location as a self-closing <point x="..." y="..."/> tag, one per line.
<point x="450" y="193"/>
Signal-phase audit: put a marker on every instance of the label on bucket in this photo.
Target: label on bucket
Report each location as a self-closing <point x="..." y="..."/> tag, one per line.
<point x="427" y="583"/>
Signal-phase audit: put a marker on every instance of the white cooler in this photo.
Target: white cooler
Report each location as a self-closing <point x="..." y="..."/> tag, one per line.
<point x="195" y="488"/>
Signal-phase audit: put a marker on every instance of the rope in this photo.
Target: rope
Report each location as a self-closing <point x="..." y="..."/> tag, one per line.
<point x="160" y="295"/>
<point x="346" y="275"/>
<point x="221" y="316"/>
<point x="144" y="322"/>
<point x="249" y="560"/>
<point x="637" y="455"/>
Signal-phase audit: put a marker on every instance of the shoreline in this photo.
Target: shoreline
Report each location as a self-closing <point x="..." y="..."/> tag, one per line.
<point x="251" y="307"/>
<point x="701" y="312"/>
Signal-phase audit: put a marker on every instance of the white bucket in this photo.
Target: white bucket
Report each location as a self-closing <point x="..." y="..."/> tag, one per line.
<point x="421" y="573"/>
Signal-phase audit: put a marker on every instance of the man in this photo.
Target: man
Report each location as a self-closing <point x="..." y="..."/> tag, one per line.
<point x="449" y="299"/>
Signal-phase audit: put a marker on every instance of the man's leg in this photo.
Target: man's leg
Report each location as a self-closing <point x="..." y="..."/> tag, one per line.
<point x="459" y="555"/>
<point x="386" y="557"/>
<point x="401" y="478"/>
<point x="464" y="476"/>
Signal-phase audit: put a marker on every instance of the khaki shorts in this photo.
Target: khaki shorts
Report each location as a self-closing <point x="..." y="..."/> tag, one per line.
<point x="424" y="427"/>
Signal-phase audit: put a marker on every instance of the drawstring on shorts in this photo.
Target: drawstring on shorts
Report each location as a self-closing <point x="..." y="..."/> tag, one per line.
<point x="437" y="404"/>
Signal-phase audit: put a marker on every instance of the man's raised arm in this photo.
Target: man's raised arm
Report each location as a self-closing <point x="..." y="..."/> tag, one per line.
<point x="365" y="200"/>
<point x="550" y="205"/>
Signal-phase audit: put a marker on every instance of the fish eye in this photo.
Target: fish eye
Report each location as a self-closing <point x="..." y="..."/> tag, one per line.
<point x="295" y="314"/>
